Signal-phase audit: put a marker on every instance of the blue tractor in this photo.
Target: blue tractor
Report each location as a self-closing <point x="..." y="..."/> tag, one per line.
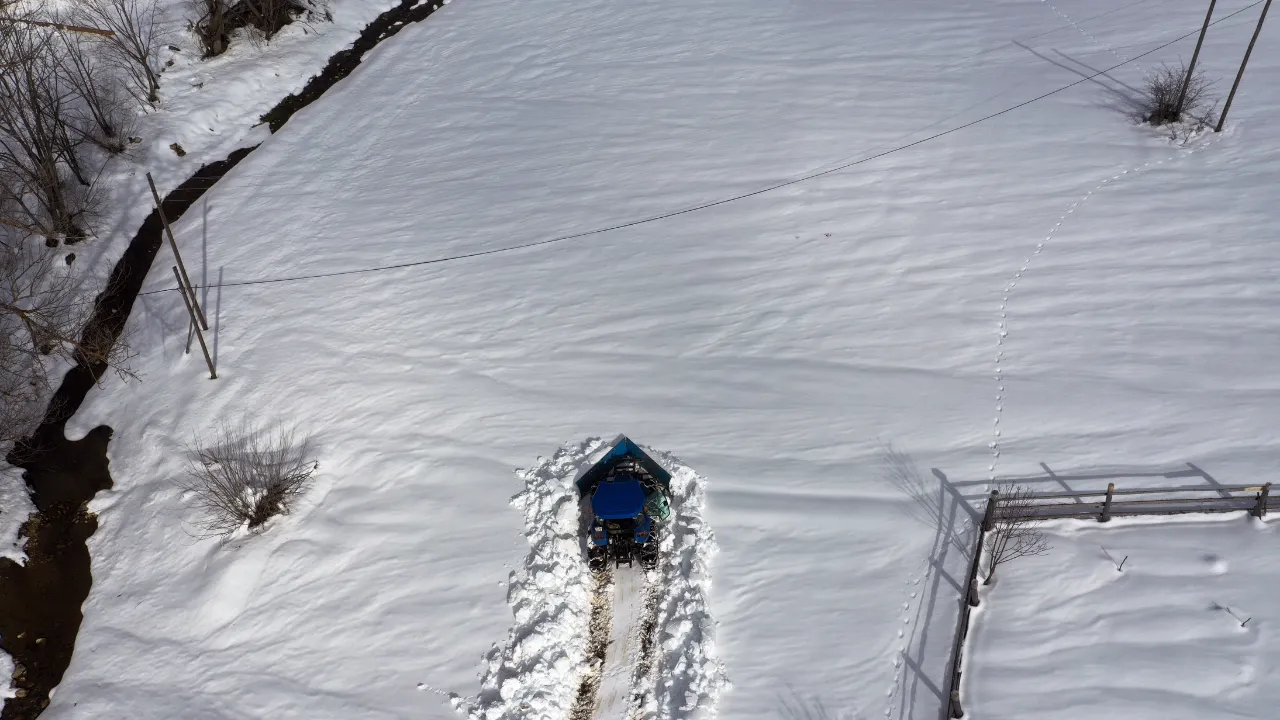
<point x="626" y="494"/>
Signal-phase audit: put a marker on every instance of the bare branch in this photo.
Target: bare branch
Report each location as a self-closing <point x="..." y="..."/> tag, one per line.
<point x="44" y="326"/>
<point x="1017" y="530"/>
<point x="1162" y="89"/>
<point x="134" y="46"/>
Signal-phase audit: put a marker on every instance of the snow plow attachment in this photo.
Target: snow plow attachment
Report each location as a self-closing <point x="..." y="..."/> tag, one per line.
<point x="626" y="493"/>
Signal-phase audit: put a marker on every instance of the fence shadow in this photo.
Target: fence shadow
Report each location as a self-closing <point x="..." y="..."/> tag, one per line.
<point x="1085" y="479"/>
<point x="938" y="504"/>
<point x="793" y="706"/>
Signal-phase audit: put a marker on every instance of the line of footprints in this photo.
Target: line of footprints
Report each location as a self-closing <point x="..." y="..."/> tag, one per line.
<point x="1002" y="326"/>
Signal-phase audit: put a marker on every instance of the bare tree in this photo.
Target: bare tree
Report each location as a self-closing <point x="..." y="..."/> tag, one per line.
<point x="1162" y="90"/>
<point x="102" y="116"/>
<point x="43" y="317"/>
<point x="44" y="188"/>
<point x="1017" y="530"/>
<point x="246" y="475"/>
<point x="134" y="47"/>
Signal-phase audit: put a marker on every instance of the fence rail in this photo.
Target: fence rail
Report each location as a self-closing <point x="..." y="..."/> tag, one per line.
<point x="1164" y="501"/>
<point x="1256" y="499"/>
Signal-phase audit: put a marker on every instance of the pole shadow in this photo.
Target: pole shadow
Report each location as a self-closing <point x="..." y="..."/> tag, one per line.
<point x="217" y="319"/>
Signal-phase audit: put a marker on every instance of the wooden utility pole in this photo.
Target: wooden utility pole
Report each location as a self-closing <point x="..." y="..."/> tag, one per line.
<point x="199" y="314"/>
<point x="182" y="290"/>
<point x="1191" y="70"/>
<point x="1244" y="62"/>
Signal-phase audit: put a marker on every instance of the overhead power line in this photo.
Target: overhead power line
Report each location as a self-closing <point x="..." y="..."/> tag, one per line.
<point x="713" y="203"/>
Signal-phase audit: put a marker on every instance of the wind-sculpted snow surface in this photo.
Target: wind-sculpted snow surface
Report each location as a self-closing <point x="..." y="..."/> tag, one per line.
<point x="537" y="672"/>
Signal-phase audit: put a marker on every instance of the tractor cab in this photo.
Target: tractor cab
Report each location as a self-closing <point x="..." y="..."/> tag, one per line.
<point x="627" y="493"/>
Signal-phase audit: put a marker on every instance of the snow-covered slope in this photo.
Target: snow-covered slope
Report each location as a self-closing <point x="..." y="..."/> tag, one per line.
<point x="778" y="344"/>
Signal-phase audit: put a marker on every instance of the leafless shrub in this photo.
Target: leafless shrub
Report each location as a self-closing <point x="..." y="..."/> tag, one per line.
<point x="211" y="26"/>
<point x="1017" y="530"/>
<point x="134" y="49"/>
<point x="218" y="19"/>
<point x="44" y="319"/>
<point x="246" y="475"/>
<point x="1162" y="91"/>
<point x="264" y="18"/>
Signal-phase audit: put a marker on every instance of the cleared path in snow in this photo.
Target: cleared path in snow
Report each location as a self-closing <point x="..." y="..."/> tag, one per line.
<point x="615" y="696"/>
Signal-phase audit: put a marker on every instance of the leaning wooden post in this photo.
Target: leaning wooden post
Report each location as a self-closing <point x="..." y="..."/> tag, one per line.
<point x="213" y="374"/>
<point x="177" y="255"/>
<point x="1191" y="69"/>
<point x="1106" y="506"/>
<point x="1260" y="510"/>
<point x="1236" y="85"/>
<point x="956" y="711"/>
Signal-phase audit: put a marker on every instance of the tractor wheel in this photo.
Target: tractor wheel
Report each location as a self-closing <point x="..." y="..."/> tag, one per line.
<point x="649" y="556"/>
<point x="597" y="558"/>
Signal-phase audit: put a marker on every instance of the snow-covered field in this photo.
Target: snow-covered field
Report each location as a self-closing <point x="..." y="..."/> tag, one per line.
<point x="1057" y="282"/>
<point x="1186" y="631"/>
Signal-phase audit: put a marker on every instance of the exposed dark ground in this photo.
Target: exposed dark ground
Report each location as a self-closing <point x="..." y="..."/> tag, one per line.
<point x="40" y="602"/>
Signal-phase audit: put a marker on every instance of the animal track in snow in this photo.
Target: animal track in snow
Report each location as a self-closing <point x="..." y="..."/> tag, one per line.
<point x="1002" y="324"/>
<point x="1085" y="33"/>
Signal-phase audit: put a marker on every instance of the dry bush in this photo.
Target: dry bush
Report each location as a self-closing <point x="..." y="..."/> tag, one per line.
<point x="246" y="475"/>
<point x="218" y="19"/>
<point x="1017" y="530"/>
<point x="267" y="17"/>
<point x="211" y="26"/>
<point x="1162" y="89"/>
<point x="134" y="50"/>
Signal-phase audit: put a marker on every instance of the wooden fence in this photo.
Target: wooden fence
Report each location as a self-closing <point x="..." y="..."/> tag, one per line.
<point x="1114" y="502"/>
<point x="1256" y="499"/>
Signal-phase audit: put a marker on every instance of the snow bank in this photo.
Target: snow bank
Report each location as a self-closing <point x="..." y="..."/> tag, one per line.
<point x="15" y="506"/>
<point x="535" y="674"/>
<point x="1067" y="635"/>
<point x="690" y="673"/>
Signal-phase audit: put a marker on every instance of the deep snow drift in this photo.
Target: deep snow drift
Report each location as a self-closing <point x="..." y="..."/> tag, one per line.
<point x="1161" y="640"/>
<point x="777" y="344"/>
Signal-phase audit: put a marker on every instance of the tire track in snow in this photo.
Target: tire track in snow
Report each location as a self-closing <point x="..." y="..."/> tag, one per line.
<point x="1002" y="327"/>
<point x="597" y="647"/>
